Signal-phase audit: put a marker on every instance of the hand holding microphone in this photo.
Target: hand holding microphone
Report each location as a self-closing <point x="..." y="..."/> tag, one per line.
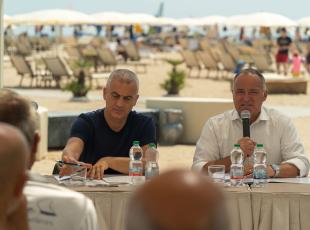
<point x="247" y="145"/>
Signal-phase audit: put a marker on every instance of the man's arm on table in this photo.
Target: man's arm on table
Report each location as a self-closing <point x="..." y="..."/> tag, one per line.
<point x="295" y="162"/>
<point x="207" y="150"/>
<point x="120" y="164"/>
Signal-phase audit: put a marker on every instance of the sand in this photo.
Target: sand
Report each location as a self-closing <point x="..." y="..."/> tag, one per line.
<point x="178" y="156"/>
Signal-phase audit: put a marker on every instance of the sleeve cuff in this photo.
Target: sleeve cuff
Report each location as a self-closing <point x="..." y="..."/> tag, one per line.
<point x="300" y="164"/>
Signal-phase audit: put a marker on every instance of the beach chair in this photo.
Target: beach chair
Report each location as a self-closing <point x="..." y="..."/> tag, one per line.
<point x="209" y="63"/>
<point x="23" y="69"/>
<point x="57" y="68"/>
<point x="191" y="62"/>
<point x="107" y="58"/>
<point x="260" y="61"/>
<point x="134" y="57"/>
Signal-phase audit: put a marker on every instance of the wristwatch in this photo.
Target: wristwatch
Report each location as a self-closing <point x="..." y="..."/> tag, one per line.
<point x="276" y="169"/>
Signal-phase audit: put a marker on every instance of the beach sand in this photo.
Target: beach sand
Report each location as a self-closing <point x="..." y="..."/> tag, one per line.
<point x="177" y="156"/>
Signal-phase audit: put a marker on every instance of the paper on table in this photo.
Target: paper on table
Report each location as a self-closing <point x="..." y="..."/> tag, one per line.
<point x="118" y="179"/>
<point x="297" y="180"/>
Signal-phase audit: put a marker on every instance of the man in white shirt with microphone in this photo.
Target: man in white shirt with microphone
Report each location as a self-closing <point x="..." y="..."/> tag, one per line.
<point x="285" y="152"/>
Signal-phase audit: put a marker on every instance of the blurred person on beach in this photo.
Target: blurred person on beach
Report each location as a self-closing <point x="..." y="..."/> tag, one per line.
<point x="179" y="200"/>
<point x="14" y="154"/>
<point x="296" y="63"/>
<point x="308" y="57"/>
<point x="49" y="206"/>
<point x="283" y="43"/>
<point x="286" y="155"/>
<point x="101" y="139"/>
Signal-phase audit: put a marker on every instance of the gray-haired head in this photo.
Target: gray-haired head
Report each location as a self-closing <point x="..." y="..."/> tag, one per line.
<point x="125" y="76"/>
<point x="19" y="112"/>
<point x="177" y="199"/>
<point x="252" y="72"/>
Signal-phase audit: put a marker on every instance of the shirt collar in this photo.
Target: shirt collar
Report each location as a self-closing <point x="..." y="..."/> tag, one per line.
<point x="263" y="116"/>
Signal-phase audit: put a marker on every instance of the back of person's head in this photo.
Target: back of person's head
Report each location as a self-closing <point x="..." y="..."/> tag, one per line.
<point x="14" y="156"/>
<point x="19" y="112"/>
<point x="125" y="76"/>
<point x="178" y="199"/>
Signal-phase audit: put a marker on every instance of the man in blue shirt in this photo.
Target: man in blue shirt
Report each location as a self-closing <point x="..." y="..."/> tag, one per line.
<point x="101" y="139"/>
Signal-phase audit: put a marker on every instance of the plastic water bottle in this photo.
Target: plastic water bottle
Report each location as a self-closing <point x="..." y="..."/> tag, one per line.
<point x="260" y="167"/>
<point x="236" y="168"/>
<point x="151" y="158"/>
<point x="135" y="163"/>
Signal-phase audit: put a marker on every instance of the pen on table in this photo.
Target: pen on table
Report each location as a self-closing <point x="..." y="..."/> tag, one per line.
<point x="68" y="163"/>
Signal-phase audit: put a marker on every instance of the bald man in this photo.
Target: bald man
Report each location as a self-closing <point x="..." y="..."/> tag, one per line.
<point x="180" y="200"/>
<point x="14" y="153"/>
<point x="49" y="206"/>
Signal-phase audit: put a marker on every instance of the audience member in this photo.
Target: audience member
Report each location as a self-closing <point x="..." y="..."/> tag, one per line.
<point x="49" y="206"/>
<point x="179" y="200"/>
<point x="14" y="153"/>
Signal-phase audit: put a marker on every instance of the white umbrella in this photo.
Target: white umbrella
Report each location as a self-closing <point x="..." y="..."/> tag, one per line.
<point x="53" y="17"/>
<point x="165" y="21"/>
<point x="304" y="22"/>
<point x="110" y="18"/>
<point x="6" y="20"/>
<point x="139" y="18"/>
<point x="212" y="20"/>
<point x="188" y="22"/>
<point x="260" y="19"/>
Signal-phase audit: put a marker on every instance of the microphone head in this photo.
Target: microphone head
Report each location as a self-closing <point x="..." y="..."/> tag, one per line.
<point x="245" y="114"/>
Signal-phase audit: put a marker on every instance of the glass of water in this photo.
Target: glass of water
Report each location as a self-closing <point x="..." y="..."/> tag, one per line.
<point x="217" y="173"/>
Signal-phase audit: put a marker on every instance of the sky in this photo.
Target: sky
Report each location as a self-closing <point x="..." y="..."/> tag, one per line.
<point x="293" y="9"/>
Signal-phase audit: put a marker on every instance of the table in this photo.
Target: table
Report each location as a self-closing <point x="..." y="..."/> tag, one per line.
<point x="281" y="206"/>
<point x="275" y="206"/>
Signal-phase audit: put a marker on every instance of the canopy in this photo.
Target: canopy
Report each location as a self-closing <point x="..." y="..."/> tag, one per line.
<point x="304" y="22"/>
<point x="53" y="17"/>
<point x="260" y="19"/>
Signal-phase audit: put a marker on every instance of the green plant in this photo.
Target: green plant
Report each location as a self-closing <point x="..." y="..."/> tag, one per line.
<point x="176" y="80"/>
<point x="77" y="86"/>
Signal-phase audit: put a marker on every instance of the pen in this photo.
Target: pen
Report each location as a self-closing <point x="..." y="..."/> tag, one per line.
<point x="68" y="163"/>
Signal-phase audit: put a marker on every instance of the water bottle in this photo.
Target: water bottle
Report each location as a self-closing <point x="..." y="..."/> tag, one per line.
<point x="260" y="167"/>
<point x="135" y="163"/>
<point x="236" y="168"/>
<point x="151" y="158"/>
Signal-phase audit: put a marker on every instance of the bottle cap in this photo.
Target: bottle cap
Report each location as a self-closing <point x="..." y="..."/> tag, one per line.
<point x="259" y="145"/>
<point x="236" y="145"/>
<point x="152" y="145"/>
<point x="135" y="142"/>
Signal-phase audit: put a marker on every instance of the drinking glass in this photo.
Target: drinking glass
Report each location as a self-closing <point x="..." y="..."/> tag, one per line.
<point x="217" y="173"/>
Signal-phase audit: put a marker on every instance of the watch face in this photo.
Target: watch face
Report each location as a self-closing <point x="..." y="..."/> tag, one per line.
<point x="276" y="168"/>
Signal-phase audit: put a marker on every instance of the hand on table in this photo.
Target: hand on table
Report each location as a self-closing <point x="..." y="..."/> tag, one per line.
<point x="66" y="170"/>
<point x="97" y="170"/>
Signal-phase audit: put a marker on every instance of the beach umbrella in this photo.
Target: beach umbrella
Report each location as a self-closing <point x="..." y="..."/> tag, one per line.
<point x="190" y="22"/>
<point x="53" y="17"/>
<point x="165" y="21"/>
<point x="304" y="22"/>
<point x="212" y="20"/>
<point x="260" y="19"/>
<point x="110" y="18"/>
<point x="140" y="18"/>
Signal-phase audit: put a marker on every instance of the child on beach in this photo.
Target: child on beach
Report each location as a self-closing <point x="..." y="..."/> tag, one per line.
<point x="296" y="64"/>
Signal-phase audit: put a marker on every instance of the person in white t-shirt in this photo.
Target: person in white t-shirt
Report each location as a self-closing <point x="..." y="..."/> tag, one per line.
<point x="14" y="153"/>
<point x="285" y="153"/>
<point x="49" y="206"/>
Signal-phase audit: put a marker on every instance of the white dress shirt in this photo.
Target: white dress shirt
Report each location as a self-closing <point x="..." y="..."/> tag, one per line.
<point x="272" y="129"/>
<point x="53" y="207"/>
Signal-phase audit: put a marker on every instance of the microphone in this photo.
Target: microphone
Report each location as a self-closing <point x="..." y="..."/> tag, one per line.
<point x="245" y="116"/>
